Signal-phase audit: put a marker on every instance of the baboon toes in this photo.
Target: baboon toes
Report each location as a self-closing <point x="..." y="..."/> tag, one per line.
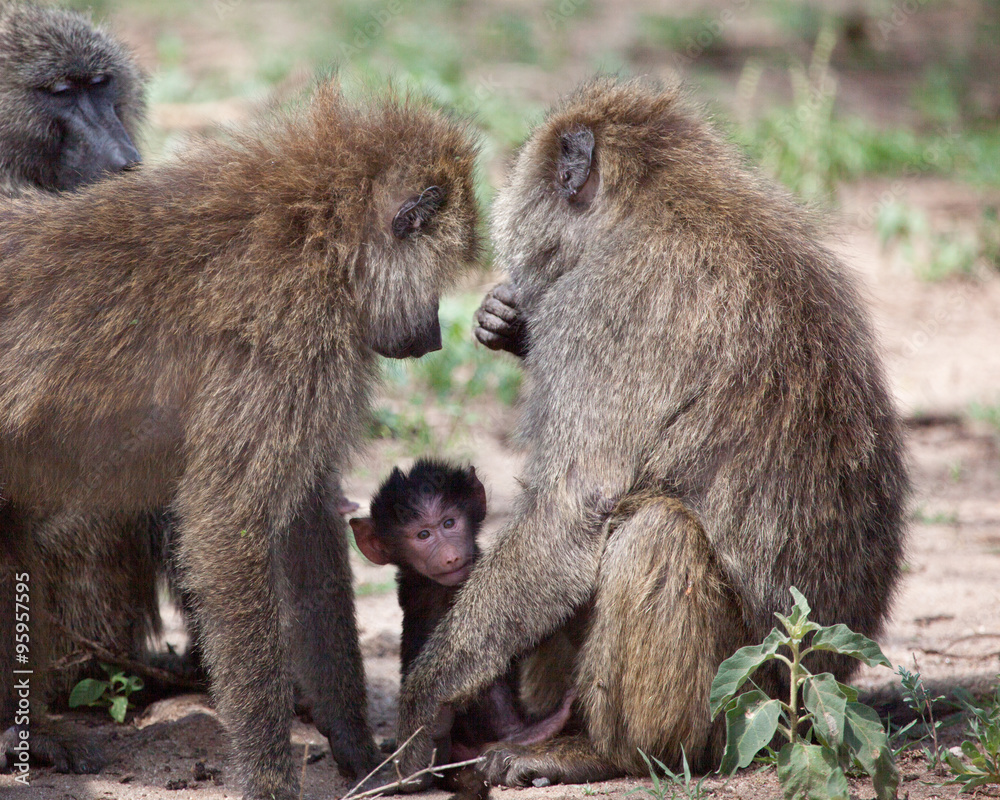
<point x="512" y="765"/>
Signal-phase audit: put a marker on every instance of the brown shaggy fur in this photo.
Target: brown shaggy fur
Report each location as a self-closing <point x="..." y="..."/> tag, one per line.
<point x="202" y="337"/>
<point x="695" y="353"/>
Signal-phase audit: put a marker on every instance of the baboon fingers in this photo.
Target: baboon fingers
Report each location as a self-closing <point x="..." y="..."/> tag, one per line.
<point x="569" y="759"/>
<point x="489" y="339"/>
<point x="494" y="307"/>
<point x="508" y="294"/>
<point x="79" y="755"/>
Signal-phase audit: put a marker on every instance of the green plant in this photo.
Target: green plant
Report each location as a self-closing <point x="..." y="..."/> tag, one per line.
<point x="675" y="782"/>
<point x="916" y="696"/>
<point x="982" y="766"/>
<point x="839" y="732"/>
<point x="932" y="254"/>
<point x="113" y="693"/>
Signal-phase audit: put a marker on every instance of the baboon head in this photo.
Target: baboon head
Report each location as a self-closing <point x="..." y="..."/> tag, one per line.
<point x="71" y="99"/>
<point x="420" y="225"/>
<point x="599" y="165"/>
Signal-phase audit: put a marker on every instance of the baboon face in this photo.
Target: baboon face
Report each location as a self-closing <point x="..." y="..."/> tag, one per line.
<point x="71" y="97"/>
<point x="425" y="221"/>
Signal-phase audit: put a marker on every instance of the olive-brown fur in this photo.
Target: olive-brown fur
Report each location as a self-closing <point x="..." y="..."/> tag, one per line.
<point x="202" y="336"/>
<point x="697" y="355"/>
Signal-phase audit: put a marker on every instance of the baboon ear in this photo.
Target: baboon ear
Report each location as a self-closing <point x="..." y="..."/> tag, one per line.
<point x="416" y="212"/>
<point x="370" y="545"/>
<point x="478" y="491"/>
<point x="576" y="173"/>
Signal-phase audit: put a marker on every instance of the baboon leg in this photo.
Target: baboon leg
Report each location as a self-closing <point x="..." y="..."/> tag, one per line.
<point x="23" y="600"/>
<point x="100" y="574"/>
<point x="662" y="622"/>
<point x="230" y="575"/>
<point x="324" y="632"/>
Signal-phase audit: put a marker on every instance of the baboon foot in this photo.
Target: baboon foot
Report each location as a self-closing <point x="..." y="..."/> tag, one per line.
<point x="63" y="753"/>
<point x="569" y="759"/>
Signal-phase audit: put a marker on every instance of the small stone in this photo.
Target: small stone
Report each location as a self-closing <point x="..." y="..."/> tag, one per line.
<point x="541" y="783"/>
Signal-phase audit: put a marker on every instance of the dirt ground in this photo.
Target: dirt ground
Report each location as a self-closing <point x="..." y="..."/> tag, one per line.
<point x="942" y="354"/>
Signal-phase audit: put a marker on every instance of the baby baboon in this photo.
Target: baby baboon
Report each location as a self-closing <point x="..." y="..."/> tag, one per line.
<point x="202" y="336"/>
<point x="696" y="356"/>
<point x="71" y="100"/>
<point x="427" y="523"/>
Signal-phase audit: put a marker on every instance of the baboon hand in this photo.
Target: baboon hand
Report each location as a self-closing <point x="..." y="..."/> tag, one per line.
<point x="432" y="742"/>
<point x="499" y="322"/>
<point x="517" y="765"/>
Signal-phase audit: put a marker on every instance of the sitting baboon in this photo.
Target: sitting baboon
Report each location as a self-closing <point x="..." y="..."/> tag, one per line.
<point x="71" y="100"/>
<point x="695" y="355"/>
<point x="202" y="337"/>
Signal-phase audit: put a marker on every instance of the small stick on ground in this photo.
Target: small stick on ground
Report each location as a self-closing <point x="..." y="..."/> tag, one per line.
<point x="136" y="667"/>
<point x="353" y="794"/>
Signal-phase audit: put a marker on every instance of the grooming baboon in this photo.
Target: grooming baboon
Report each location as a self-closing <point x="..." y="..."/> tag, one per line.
<point x="696" y="356"/>
<point x="202" y="336"/>
<point x="71" y="100"/>
<point x="426" y="522"/>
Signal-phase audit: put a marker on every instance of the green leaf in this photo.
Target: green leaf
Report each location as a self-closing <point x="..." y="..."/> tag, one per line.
<point x="867" y="742"/>
<point x="811" y="772"/>
<point x="734" y="671"/>
<point x="971" y="752"/>
<point x="801" y="609"/>
<point x="119" y="705"/>
<point x="87" y="692"/>
<point x="751" y="722"/>
<point x="827" y="703"/>
<point x="849" y="692"/>
<point x="841" y="639"/>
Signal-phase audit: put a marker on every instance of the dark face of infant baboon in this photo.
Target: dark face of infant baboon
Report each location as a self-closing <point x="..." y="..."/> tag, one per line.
<point x="71" y="100"/>
<point x="425" y="521"/>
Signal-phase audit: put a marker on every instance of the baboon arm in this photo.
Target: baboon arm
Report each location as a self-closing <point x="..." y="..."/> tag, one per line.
<point x="543" y="567"/>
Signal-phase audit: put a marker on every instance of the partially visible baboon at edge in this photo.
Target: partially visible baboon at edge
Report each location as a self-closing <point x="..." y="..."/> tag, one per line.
<point x="71" y="100"/>
<point x="696" y="355"/>
<point x="202" y="337"/>
<point x="71" y="103"/>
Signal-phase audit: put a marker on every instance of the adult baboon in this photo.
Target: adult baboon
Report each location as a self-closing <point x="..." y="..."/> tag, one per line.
<point x="696" y="355"/>
<point x="71" y="103"/>
<point x="71" y="100"/>
<point x="202" y="336"/>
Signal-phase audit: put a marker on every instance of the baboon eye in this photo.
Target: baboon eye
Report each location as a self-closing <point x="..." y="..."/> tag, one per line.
<point x="424" y="535"/>
<point x="449" y="523"/>
<point x="414" y="214"/>
<point x="97" y="80"/>
<point x="60" y="87"/>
